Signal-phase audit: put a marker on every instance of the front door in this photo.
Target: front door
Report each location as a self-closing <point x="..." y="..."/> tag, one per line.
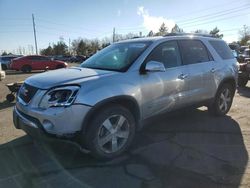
<point x="164" y="91"/>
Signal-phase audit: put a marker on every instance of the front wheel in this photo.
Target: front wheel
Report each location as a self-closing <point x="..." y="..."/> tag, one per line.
<point x="111" y="132"/>
<point x="223" y="100"/>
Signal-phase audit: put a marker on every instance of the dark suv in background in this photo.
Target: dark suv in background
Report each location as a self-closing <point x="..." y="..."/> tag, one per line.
<point x="6" y="60"/>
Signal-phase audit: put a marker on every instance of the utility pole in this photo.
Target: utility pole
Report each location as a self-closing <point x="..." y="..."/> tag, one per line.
<point x="69" y="46"/>
<point x="34" y="28"/>
<point x="245" y="30"/>
<point x="113" y="34"/>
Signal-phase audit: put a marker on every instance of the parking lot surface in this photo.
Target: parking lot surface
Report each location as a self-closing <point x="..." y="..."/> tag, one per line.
<point x="188" y="148"/>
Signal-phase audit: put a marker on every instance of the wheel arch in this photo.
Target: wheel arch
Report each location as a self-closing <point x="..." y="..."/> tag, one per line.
<point x="126" y="101"/>
<point x="228" y="80"/>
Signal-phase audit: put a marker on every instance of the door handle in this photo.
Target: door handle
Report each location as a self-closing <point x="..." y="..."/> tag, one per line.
<point x="182" y="76"/>
<point x="212" y="70"/>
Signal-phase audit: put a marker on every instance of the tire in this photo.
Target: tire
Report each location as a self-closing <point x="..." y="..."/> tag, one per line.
<point x="105" y="137"/>
<point x="10" y="97"/>
<point x="4" y="67"/>
<point x="223" y="100"/>
<point x="26" y="68"/>
<point x="242" y="81"/>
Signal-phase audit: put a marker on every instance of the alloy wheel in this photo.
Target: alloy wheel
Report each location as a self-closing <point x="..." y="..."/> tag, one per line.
<point x="113" y="133"/>
<point x="225" y="100"/>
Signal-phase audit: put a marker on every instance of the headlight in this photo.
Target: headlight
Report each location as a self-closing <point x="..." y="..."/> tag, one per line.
<point x="59" y="97"/>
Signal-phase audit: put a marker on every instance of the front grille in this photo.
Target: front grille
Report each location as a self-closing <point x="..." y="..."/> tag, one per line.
<point x="27" y="92"/>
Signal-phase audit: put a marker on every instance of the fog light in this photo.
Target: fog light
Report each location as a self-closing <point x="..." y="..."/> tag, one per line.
<point x="47" y="125"/>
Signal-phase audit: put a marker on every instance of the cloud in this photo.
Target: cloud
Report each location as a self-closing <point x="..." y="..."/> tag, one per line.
<point x="153" y="22"/>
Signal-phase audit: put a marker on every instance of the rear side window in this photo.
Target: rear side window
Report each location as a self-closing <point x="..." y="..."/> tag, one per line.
<point x="222" y="49"/>
<point x="193" y="51"/>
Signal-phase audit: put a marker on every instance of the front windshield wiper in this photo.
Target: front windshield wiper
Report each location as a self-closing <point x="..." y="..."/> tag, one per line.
<point x="99" y="68"/>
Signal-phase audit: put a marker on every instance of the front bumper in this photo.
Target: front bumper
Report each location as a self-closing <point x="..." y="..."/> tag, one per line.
<point x="58" y="121"/>
<point x="33" y="128"/>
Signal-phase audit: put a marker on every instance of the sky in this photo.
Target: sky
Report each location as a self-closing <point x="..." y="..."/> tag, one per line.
<point x="71" y="19"/>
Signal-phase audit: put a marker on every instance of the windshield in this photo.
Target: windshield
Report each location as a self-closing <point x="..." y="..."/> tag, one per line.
<point x="117" y="57"/>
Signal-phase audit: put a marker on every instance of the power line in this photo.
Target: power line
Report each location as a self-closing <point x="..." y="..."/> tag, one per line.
<point x="63" y="30"/>
<point x="211" y="21"/>
<point x="215" y="16"/>
<point x="209" y="8"/>
<point x="211" y="15"/>
<point x="61" y="24"/>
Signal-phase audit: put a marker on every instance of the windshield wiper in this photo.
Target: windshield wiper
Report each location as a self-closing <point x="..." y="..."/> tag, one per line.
<point x="99" y="68"/>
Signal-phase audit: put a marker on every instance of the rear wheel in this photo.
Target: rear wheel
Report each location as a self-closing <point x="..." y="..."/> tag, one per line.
<point x="26" y="68"/>
<point x="223" y="100"/>
<point x="111" y="132"/>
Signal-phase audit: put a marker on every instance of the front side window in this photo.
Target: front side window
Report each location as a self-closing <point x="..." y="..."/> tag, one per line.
<point x="193" y="51"/>
<point x="166" y="53"/>
<point x="38" y="58"/>
<point x="117" y="57"/>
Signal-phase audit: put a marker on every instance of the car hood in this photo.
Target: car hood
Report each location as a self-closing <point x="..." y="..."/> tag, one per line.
<point x="73" y="75"/>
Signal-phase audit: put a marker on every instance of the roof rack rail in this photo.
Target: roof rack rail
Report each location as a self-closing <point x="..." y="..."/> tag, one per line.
<point x="184" y="34"/>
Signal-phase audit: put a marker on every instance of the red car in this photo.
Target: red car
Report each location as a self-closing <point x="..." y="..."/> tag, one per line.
<point x="36" y="62"/>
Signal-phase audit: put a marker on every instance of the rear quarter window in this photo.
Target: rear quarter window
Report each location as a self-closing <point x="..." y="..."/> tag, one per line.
<point x="222" y="49"/>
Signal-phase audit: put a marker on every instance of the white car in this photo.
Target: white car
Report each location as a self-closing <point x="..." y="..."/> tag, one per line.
<point x="2" y="73"/>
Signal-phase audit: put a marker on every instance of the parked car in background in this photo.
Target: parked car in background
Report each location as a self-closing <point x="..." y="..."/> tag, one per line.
<point x="2" y="73"/>
<point x="242" y="48"/>
<point x="244" y="68"/>
<point x="36" y="62"/>
<point x="102" y="103"/>
<point x="244" y="56"/>
<point x="65" y="58"/>
<point x="78" y="58"/>
<point x="6" y="60"/>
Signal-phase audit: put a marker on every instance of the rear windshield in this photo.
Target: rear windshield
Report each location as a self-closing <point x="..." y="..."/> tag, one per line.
<point x="222" y="49"/>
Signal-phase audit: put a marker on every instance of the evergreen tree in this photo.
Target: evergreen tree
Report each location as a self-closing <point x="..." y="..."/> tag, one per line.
<point x="215" y="33"/>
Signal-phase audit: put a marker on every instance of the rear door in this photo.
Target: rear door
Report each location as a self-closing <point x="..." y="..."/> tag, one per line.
<point x="199" y="63"/>
<point x="45" y="63"/>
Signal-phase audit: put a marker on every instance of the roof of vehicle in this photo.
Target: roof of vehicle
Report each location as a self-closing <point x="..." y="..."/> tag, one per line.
<point x="170" y="35"/>
<point x="34" y="56"/>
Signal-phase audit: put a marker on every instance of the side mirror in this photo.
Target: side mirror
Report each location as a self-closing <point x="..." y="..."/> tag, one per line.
<point x="154" y="66"/>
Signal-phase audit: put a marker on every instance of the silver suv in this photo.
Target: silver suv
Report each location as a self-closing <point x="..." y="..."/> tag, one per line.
<point x="102" y="103"/>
